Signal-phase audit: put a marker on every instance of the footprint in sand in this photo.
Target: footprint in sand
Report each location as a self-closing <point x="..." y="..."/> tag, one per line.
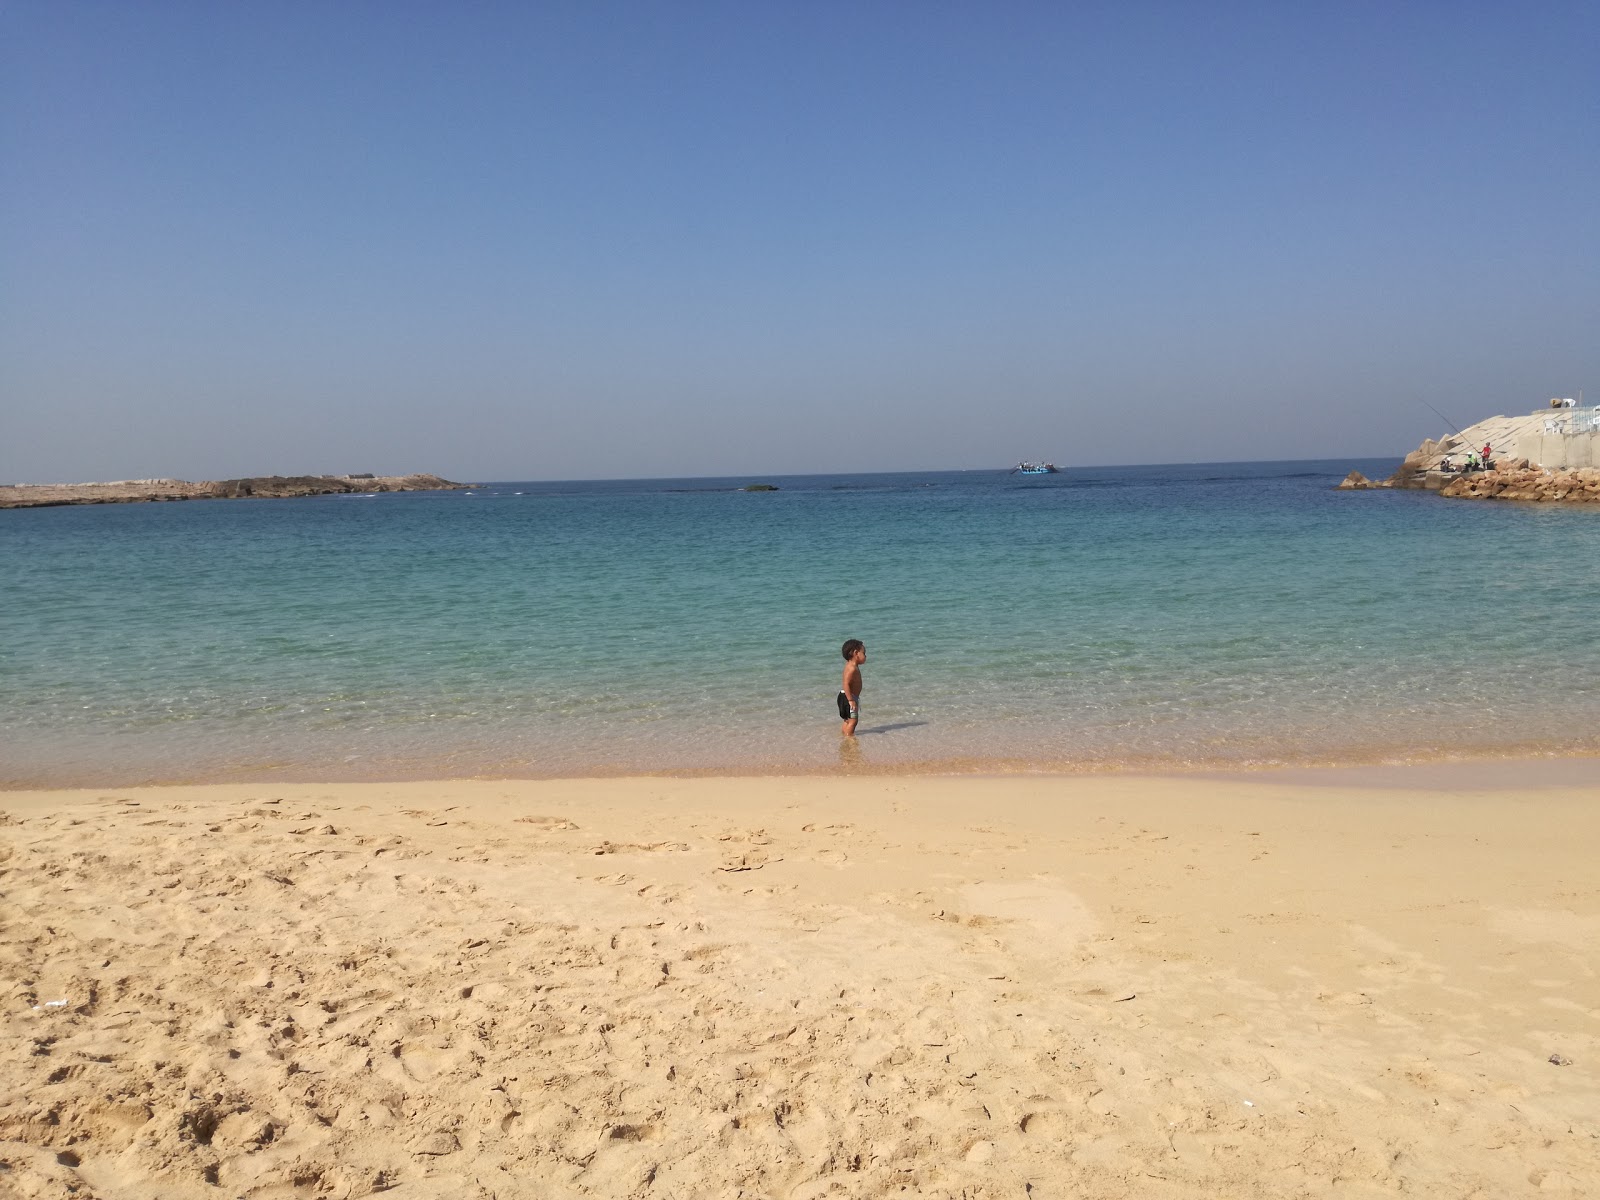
<point x="549" y="824"/>
<point x="970" y="920"/>
<point x="623" y="847"/>
<point x="1051" y="1123"/>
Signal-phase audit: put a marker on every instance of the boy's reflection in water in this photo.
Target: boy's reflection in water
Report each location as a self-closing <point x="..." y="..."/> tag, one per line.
<point x="850" y="754"/>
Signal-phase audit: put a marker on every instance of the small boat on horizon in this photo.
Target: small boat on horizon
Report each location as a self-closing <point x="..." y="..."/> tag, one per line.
<point x="1033" y="468"/>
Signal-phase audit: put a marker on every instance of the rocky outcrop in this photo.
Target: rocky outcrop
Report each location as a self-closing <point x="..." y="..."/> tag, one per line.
<point x="1438" y="466"/>
<point x="1422" y="468"/>
<point x="281" y="486"/>
<point x="133" y="491"/>
<point x="1575" y="485"/>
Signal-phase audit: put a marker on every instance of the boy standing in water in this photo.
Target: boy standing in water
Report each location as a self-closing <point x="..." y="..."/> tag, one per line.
<point x="855" y="653"/>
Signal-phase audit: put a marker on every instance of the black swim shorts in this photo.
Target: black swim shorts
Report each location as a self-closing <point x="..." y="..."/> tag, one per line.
<point x="845" y="709"/>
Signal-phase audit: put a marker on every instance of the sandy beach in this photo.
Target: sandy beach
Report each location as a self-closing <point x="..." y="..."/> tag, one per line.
<point x="802" y="987"/>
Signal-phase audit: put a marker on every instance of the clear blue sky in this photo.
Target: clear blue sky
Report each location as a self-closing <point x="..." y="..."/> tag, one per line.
<point x="568" y="240"/>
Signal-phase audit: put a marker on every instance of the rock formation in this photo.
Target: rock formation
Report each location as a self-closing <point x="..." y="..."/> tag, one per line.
<point x="325" y="485"/>
<point x="1573" y="485"/>
<point x="129" y="491"/>
<point x="1510" y="477"/>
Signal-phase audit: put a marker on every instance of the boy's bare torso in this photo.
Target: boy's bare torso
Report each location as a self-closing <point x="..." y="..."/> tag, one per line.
<point x="852" y="680"/>
<point x="850" y="687"/>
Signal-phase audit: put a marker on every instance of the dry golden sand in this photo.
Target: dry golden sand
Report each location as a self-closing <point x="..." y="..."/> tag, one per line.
<point x="1041" y="987"/>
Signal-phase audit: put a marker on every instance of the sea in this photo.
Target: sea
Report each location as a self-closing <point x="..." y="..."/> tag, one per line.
<point x="1214" y="616"/>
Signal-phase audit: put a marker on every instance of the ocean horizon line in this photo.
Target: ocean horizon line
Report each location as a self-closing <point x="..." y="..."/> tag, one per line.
<point x="484" y="480"/>
<point x="756" y="475"/>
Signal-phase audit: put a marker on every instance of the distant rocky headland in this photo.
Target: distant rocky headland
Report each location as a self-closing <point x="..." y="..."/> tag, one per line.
<point x="1552" y="455"/>
<point x="133" y="491"/>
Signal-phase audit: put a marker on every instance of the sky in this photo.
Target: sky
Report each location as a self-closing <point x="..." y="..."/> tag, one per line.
<point x="619" y="240"/>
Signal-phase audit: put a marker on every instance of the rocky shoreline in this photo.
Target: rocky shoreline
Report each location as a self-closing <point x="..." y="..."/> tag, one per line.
<point x="1573" y="485"/>
<point x="136" y="491"/>
<point x="1435" y="466"/>
<point x="1520" y="481"/>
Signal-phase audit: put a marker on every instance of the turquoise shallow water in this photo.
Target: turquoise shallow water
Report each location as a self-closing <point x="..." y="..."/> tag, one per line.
<point x="1215" y="615"/>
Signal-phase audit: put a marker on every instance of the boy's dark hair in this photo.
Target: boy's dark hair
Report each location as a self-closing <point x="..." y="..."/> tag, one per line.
<point x="849" y="648"/>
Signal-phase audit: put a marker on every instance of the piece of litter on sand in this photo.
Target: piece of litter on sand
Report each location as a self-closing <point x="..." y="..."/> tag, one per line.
<point x="50" y="1004"/>
<point x="1559" y="1060"/>
<point x="1249" y="1103"/>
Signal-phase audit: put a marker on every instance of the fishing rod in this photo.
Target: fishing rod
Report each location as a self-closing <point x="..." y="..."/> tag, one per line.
<point x="1471" y="449"/>
<point x="1443" y="418"/>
